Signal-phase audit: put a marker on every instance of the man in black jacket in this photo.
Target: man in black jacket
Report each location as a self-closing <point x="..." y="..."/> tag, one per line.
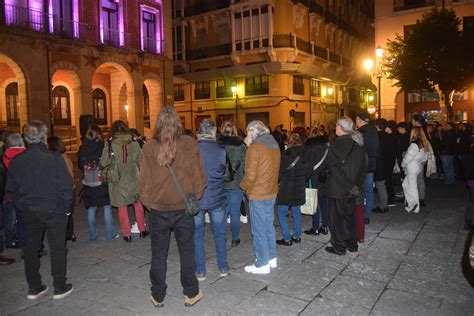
<point x="346" y="167"/>
<point x="40" y="185"/>
<point x="371" y="145"/>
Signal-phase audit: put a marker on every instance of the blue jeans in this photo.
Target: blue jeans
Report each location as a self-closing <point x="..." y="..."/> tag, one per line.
<point x="448" y="169"/>
<point x="108" y="219"/>
<point x="369" y="194"/>
<point x="321" y="213"/>
<point x="12" y="214"/>
<point x="283" y="220"/>
<point x="234" y="199"/>
<point x="218" y="219"/>
<point x="264" y="238"/>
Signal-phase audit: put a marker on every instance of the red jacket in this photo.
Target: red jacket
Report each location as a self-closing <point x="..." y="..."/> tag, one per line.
<point x="11" y="153"/>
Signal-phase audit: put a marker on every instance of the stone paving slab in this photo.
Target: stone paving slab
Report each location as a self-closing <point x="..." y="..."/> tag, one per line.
<point x="356" y="291"/>
<point x="324" y="306"/>
<point x="393" y="302"/>
<point x="268" y="303"/>
<point x="372" y="268"/>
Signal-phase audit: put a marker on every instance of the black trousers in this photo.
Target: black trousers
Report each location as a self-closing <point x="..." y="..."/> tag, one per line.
<point x="390" y="189"/>
<point x="342" y="223"/>
<point x="36" y="223"/>
<point x="161" y="225"/>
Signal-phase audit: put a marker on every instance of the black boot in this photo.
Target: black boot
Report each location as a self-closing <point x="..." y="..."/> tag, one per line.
<point x="127" y="239"/>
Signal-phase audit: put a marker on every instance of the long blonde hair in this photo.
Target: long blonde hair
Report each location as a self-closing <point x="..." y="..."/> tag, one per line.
<point x="417" y="135"/>
<point x="167" y="131"/>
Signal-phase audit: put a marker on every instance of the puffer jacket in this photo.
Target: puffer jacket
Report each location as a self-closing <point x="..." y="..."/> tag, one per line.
<point x="262" y="165"/>
<point x="293" y="181"/>
<point x="236" y="151"/>
<point x="213" y="155"/>
<point x="127" y="155"/>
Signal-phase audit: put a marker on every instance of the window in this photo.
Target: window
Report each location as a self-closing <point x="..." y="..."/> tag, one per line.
<point x="224" y="88"/>
<point x="62" y="107"/>
<point x="422" y="96"/>
<point x="315" y="88"/>
<point x="13" y="105"/>
<point x="110" y="23"/>
<point x="202" y="90"/>
<point x="256" y="85"/>
<point x="179" y="92"/>
<point x="146" y="107"/>
<point x="298" y="85"/>
<point x="99" y="101"/>
<point x="62" y="17"/>
<point x="251" y="28"/>
<point x="149" y="32"/>
<point x="177" y="43"/>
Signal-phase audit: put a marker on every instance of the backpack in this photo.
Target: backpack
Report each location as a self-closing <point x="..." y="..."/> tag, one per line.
<point x="92" y="175"/>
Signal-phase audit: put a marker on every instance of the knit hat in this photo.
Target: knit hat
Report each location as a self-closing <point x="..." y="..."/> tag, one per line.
<point x="364" y="116"/>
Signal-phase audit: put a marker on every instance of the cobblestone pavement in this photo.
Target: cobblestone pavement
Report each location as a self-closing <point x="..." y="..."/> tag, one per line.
<point x="410" y="264"/>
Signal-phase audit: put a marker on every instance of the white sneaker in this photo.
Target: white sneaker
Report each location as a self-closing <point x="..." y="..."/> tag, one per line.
<point x="228" y="220"/>
<point x="261" y="270"/>
<point x="207" y="219"/>
<point x="273" y="263"/>
<point x="243" y="219"/>
<point x="134" y="229"/>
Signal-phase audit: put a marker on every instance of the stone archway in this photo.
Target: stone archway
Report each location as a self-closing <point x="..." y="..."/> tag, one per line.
<point x="155" y="93"/>
<point x="11" y="72"/>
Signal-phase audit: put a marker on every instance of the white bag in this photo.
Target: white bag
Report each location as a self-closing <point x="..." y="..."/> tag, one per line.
<point x="309" y="208"/>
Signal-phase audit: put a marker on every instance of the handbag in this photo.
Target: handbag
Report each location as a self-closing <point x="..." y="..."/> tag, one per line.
<point x="311" y="204"/>
<point x="289" y="168"/>
<point x="111" y="172"/>
<point x="191" y="203"/>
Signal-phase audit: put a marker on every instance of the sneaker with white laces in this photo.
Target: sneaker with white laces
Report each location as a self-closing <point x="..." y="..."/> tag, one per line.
<point x="273" y="263"/>
<point x="260" y="270"/>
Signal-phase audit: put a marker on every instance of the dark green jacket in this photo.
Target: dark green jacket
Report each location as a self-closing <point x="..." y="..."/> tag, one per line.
<point x="236" y="151"/>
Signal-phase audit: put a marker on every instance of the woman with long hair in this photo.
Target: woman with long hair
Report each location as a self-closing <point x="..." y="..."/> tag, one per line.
<point x="236" y="151"/>
<point x="170" y="148"/>
<point x="95" y="191"/>
<point x="412" y="165"/>
<point x="291" y="194"/>
<point x="123" y="154"/>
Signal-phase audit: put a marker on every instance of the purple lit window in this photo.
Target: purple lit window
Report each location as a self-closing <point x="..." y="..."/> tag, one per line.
<point x="150" y="29"/>
<point x="110" y="23"/>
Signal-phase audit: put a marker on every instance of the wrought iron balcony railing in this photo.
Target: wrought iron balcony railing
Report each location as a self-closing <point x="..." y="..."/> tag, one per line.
<point x="208" y="52"/>
<point x="400" y="5"/>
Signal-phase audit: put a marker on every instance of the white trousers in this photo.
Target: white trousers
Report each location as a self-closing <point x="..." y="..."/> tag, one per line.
<point x="410" y="185"/>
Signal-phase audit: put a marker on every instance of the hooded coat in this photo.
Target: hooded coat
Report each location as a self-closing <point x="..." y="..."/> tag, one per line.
<point x="90" y="152"/>
<point x="127" y="153"/>
<point x="236" y="151"/>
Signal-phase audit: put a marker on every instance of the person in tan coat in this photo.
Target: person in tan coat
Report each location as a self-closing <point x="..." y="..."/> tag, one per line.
<point x="158" y="191"/>
<point x="260" y="183"/>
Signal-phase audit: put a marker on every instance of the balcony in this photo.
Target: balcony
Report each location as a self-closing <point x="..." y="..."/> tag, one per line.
<point x="115" y="38"/>
<point x="401" y="5"/>
<point x="313" y="5"/>
<point x="208" y="52"/>
<point x="291" y="41"/>
<point x="152" y="46"/>
<point x="20" y="19"/>
<point x="205" y="6"/>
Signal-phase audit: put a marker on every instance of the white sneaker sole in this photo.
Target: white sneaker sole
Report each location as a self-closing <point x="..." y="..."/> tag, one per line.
<point x="62" y="295"/>
<point x="36" y="296"/>
<point x="273" y="264"/>
<point x="255" y="271"/>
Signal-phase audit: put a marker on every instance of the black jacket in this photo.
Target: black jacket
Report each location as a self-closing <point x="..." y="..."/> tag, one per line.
<point x="38" y="181"/>
<point x="293" y="182"/>
<point x="464" y="144"/>
<point x="236" y="151"/>
<point x="316" y="147"/>
<point x="347" y="168"/>
<point x="448" y="143"/>
<point x="371" y="145"/>
<point x="90" y="152"/>
<point x="387" y="156"/>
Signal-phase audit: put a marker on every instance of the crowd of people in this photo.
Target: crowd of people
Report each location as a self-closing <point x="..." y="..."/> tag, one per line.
<point x="355" y="167"/>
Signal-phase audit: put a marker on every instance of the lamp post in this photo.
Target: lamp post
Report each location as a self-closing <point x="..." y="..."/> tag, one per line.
<point x="378" y="73"/>
<point x="236" y="97"/>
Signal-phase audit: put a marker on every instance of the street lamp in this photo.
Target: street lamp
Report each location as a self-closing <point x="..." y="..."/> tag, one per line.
<point x="236" y="97"/>
<point x="377" y="73"/>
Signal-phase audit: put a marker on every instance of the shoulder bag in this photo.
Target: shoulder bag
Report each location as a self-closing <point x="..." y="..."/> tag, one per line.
<point x="291" y="166"/>
<point x="191" y="203"/>
<point x="111" y="173"/>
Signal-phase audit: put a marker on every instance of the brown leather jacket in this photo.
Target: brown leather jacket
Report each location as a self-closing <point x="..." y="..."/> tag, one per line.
<point x="157" y="189"/>
<point x="262" y="165"/>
